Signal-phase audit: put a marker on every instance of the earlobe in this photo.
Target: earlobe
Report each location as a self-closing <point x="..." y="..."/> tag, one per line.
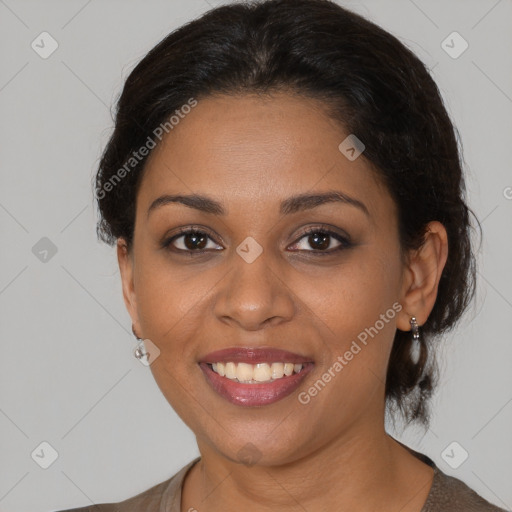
<point x="423" y="273"/>
<point x="125" y="261"/>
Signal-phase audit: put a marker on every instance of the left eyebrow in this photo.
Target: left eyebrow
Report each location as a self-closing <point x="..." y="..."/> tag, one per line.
<point x="289" y="206"/>
<point x="308" y="201"/>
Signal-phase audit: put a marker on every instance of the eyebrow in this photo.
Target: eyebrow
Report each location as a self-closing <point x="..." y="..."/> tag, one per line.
<point x="289" y="206"/>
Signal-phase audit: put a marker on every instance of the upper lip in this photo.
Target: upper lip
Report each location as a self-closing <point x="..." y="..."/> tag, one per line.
<point x="253" y="356"/>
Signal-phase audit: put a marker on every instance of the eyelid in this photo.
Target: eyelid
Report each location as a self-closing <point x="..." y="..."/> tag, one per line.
<point x="343" y="239"/>
<point x="167" y="241"/>
<point x="324" y="228"/>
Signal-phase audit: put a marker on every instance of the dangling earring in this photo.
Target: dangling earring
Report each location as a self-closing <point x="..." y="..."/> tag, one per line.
<point x="140" y="350"/>
<point x="416" y="342"/>
<point x="145" y="351"/>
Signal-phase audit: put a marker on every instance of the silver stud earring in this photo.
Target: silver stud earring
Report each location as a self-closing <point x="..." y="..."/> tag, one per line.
<point x="416" y="342"/>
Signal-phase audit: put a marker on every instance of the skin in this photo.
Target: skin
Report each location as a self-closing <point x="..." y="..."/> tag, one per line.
<point x="250" y="153"/>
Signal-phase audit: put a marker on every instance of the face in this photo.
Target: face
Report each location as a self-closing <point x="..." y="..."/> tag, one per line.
<point x="322" y="279"/>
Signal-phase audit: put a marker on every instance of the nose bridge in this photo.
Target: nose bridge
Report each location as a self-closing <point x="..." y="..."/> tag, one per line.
<point x="254" y="292"/>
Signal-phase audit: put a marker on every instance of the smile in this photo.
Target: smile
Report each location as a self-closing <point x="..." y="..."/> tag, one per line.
<point x="254" y="376"/>
<point x="254" y="393"/>
<point x="254" y="373"/>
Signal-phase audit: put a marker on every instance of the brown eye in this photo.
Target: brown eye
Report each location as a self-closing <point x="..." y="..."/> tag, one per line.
<point x="190" y="241"/>
<point x="195" y="240"/>
<point x="321" y="241"/>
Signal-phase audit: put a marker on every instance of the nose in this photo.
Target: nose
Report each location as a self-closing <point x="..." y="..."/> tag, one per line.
<point x="254" y="295"/>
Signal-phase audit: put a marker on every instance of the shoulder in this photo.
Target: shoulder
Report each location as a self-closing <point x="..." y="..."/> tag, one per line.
<point x="161" y="496"/>
<point x="449" y="494"/>
<point x="148" y="500"/>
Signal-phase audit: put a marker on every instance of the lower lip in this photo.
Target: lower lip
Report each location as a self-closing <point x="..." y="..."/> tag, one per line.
<point x="250" y="395"/>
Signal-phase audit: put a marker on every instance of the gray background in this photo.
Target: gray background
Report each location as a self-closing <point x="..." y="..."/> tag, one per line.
<point x="68" y="376"/>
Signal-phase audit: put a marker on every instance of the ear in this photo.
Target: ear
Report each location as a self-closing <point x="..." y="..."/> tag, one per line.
<point x="422" y="275"/>
<point x="126" y="262"/>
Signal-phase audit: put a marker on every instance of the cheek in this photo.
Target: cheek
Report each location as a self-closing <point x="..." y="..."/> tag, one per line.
<point x="352" y="297"/>
<point x="361" y="320"/>
<point x="170" y="305"/>
<point x="170" y="309"/>
<point x="359" y="305"/>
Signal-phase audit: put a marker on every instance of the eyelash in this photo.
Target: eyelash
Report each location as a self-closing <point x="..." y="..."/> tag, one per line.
<point x="345" y="243"/>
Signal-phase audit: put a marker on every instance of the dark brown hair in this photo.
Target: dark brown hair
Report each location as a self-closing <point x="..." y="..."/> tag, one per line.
<point x="370" y="82"/>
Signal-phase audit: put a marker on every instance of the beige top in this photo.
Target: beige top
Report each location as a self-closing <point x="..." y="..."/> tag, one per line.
<point x="447" y="494"/>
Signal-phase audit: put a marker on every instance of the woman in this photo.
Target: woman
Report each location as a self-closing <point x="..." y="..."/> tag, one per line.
<point x="285" y="191"/>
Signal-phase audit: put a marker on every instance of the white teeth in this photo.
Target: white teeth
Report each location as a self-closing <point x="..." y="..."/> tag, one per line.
<point x="231" y="370"/>
<point x="244" y="372"/>
<point x="262" y="372"/>
<point x="277" y="370"/>
<point x="253" y="373"/>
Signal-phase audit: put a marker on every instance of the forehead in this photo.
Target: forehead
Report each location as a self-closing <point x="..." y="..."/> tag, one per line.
<point x="254" y="148"/>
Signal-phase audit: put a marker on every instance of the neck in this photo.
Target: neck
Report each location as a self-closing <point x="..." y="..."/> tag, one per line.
<point x="364" y="469"/>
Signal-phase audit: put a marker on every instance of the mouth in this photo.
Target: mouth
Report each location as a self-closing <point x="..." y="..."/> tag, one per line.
<point x="254" y="377"/>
